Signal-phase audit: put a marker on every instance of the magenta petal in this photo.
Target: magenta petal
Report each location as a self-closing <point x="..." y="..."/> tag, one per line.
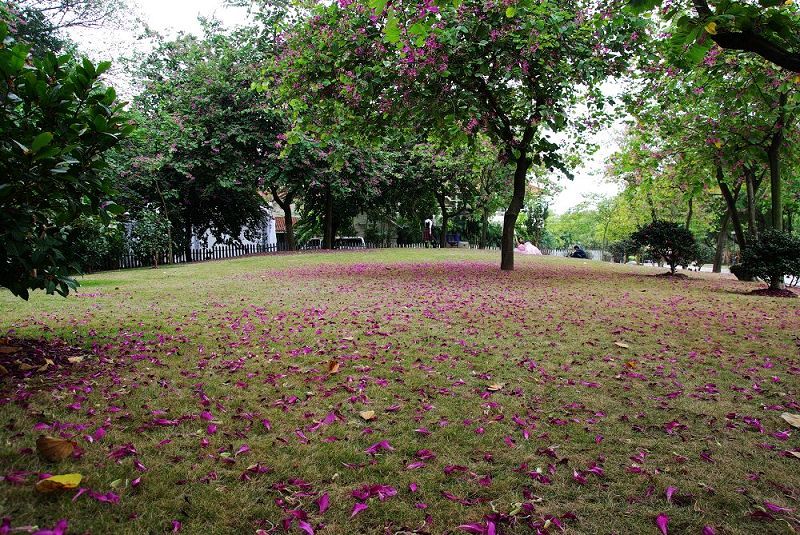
<point x="305" y="527"/>
<point x="709" y="530"/>
<point x="324" y="502"/>
<point x="357" y="508"/>
<point x="176" y="526"/>
<point x="662" y="521"/>
<point x="472" y="528"/>
<point x="670" y="492"/>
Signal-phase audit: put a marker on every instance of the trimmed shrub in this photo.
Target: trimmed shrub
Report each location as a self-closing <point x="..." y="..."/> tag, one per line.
<point x="667" y="240"/>
<point x="775" y="255"/>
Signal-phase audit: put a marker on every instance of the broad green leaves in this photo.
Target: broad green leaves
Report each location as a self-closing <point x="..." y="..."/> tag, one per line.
<point x="58" y="123"/>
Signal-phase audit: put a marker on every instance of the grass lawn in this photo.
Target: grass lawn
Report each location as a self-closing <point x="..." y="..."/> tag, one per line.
<point x="566" y="395"/>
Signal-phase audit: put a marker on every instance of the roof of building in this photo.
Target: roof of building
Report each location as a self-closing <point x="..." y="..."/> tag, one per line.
<point x="280" y="223"/>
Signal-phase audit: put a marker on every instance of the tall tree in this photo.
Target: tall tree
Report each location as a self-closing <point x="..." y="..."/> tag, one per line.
<point x="511" y="71"/>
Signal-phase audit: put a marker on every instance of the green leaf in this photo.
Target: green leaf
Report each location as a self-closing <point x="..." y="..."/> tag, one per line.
<point x="511" y="11"/>
<point x="378" y="5"/>
<point x="41" y="141"/>
<point x="392" y="29"/>
<point x="102" y="67"/>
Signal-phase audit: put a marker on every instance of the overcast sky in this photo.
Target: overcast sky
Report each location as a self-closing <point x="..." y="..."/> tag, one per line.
<point x="168" y="17"/>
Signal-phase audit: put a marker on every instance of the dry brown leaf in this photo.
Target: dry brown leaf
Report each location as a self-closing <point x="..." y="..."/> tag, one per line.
<point x="367" y="415"/>
<point x="24" y="366"/>
<point x="47" y="364"/>
<point x="494" y="387"/>
<point x="54" y="449"/>
<point x="333" y="366"/>
<point x="74" y="360"/>
<point x="7" y="350"/>
<point x="57" y="483"/>
<point x="622" y="344"/>
<point x="3" y="370"/>
<point x="631" y="364"/>
<point x="791" y="419"/>
<point x="795" y="453"/>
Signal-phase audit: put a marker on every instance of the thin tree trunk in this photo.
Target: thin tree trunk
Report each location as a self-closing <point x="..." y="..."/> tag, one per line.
<point x="689" y="215"/>
<point x="443" y="233"/>
<point x="170" y="253"/>
<point x="187" y="228"/>
<point x="731" y="201"/>
<point x="484" y="229"/>
<point x="327" y="239"/>
<point x="722" y="238"/>
<point x="289" y="224"/>
<point x="751" y="205"/>
<point x="775" y="167"/>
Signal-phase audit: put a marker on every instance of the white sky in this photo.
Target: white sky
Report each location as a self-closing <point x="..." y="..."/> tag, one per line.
<point x="168" y="17"/>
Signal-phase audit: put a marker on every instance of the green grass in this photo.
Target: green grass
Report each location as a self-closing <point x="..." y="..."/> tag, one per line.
<point x="423" y="333"/>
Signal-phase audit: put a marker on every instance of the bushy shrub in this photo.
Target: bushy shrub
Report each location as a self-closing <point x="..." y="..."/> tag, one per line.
<point x="773" y="256"/>
<point x="96" y="243"/>
<point x="621" y="250"/>
<point x="150" y="236"/>
<point x="667" y="240"/>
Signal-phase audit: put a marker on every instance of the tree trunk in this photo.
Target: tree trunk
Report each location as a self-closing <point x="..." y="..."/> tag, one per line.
<point x="689" y="215"/>
<point x="289" y="224"/>
<point x="443" y="233"/>
<point x="731" y="201"/>
<point x="327" y="238"/>
<point x="751" y="205"/>
<point x="514" y="207"/>
<point x="187" y="228"/>
<point x="484" y="229"/>
<point x="170" y="252"/>
<point x="775" y="167"/>
<point x="722" y="238"/>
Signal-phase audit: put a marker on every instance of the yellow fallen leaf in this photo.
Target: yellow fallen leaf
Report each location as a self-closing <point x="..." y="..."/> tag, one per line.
<point x="631" y="364"/>
<point x="791" y="419"/>
<point x="622" y="344"/>
<point x="711" y="28"/>
<point x="58" y="483"/>
<point x="718" y="144"/>
<point x="367" y="415"/>
<point x="54" y="449"/>
<point x="495" y="387"/>
<point x="333" y="366"/>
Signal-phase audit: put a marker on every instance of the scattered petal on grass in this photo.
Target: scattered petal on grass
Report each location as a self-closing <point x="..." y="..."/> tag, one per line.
<point x="662" y="521"/>
<point x="357" y="508"/>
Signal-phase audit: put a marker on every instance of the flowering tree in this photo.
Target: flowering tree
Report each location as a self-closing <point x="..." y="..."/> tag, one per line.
<point x="512" y="71"/>
<point x="768" y="28"/>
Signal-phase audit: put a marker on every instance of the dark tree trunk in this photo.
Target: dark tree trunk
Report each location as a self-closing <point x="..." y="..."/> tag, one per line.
<point x="689" y="215"/>
<point x="289" y="224"/>
<point x="443" y="233"/>
<point x="327" y="239"/>
<point x="286" y="205"/>
<point x="514" y="207"/>
<point x="730" y="199"/>
<point x="187" y="228"/>
<point x="773" y="153"/>
<point x="484" y="229"/>
<point x="751" y="205"/>
<point x="722" y="238"/>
